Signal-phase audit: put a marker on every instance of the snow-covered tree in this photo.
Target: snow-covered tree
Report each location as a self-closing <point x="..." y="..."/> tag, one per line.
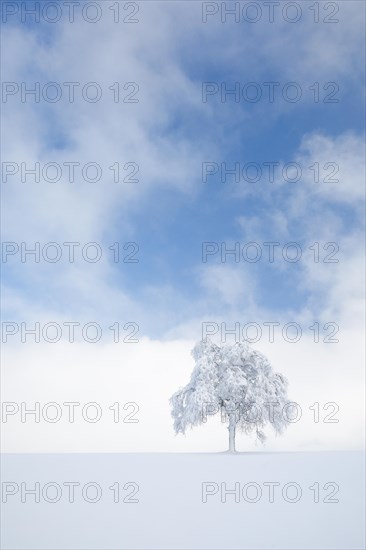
<point x="237" y="381"/>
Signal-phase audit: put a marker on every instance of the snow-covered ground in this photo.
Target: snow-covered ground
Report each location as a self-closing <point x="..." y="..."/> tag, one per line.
<point x="177" y="501"/>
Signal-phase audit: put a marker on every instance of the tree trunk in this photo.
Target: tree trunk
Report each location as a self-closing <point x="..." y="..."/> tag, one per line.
<point x="231" y="428"/>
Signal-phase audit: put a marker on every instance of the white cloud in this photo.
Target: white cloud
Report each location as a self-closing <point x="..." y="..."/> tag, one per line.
<point x="228" y="286"/>
<point x="340" y="159"/>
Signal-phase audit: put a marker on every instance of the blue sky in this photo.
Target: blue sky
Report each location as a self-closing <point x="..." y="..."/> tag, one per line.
<point x="170" y="132"/>
<point x="170" y="223"/>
